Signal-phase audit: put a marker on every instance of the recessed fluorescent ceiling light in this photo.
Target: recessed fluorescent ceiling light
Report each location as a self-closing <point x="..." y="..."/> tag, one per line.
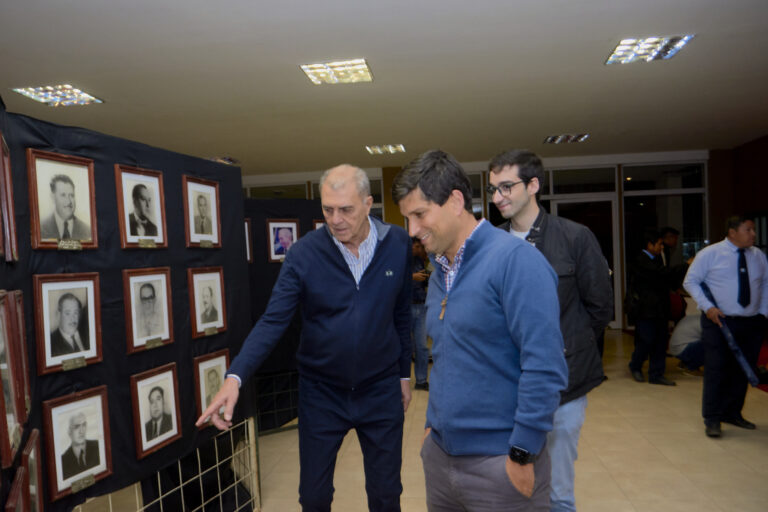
<point x="58" y="95"/>
<point x="228" y="160"/>
<point x="648" y="49"/>
<point x="566" y="138"/>
<point x="386" y="148"/>
<point x="338" y="72"/>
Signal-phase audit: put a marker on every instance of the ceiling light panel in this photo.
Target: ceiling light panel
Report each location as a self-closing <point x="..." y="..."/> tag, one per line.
<point x="58" y="95"/>
<point x="385" y="149"/>
<point x="566" y="138"/>
<point x="338" y="72"/>
<point x="647" y="49"/>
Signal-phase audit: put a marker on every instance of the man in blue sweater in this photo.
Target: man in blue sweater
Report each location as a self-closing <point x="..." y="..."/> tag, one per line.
<point x="492" y="313"/>
<point x="353" y="281"/>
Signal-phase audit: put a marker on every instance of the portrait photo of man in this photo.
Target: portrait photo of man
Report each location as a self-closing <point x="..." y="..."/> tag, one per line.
<point x="62" y="224"/>
<point x="212" y="384"/>
<point x="68" y="337"/>
<point x="140" y="220"/>
<point x="150" y="320"/>
<point x="209" y="312"/>
<point x="203" y="223"/>
<point x="160" y="421"/>
<point x="284" y="238"/>
<point x="82" y="454"/>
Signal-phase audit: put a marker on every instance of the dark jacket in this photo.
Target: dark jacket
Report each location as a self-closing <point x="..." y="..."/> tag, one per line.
<point x="133" y="225"/>
<point x="584" y="292"/>
<point x="351" y="334"/>
<point x="59" y="347"/>
<point x="166" y="424"/>
<point x="70" y="466"/>
<point x="650" y="283"/>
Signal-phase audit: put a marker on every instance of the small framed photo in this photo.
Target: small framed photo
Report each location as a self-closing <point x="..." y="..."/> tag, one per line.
<point x="248" y="244"/>
<point x="15" y="501"/>
<point x="282" y="234"/>
<point x="141" y="208"/>
<point x="209" y="376"/>
<point x="318" y="224"/>
<point x="30" y="461"/>
<point x="156" y="412"/>
<point x="8" y="241"/>
<point x="206" y="301"/>
<point x="62" y="202"/>
<point x="67" y="321"/>
<point x="202" y="222"/>
<point x="148" y="312"/>
<point x="20" y="338"/>
<point x="77" y="439"/>
<point x="12" y="416"/>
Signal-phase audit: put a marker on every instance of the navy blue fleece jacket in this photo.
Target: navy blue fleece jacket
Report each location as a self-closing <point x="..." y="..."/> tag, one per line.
<point x="351" y="335"/>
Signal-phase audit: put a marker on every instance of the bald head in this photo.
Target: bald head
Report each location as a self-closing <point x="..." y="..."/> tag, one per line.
<point x="337" y="177"/>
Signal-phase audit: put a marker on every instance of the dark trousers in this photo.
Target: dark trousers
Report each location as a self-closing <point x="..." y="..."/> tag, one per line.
<point x="650" y="343"/>
<point x="725" y="384"/>
<point x="326" y="414"/>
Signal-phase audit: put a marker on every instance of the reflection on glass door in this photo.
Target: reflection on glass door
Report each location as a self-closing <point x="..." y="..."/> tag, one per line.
<point x="599" y="216"/>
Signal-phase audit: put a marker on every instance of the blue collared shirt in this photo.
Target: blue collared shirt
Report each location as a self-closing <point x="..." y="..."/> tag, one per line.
<point x="718" y="266"/>
<point x="358" y="264"/>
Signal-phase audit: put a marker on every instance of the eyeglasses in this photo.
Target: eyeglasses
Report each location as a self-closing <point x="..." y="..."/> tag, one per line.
<point x="504" y="189"/>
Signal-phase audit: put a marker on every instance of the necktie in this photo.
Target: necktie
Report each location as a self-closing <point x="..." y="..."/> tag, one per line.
<point x="157" y="430"/>
<point x="82" y="458"/>
<point x="743" y="280"/>
<point x="66" y="235"/>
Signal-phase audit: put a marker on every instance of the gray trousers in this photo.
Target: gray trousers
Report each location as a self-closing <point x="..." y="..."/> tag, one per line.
<point x="470" y="483"/>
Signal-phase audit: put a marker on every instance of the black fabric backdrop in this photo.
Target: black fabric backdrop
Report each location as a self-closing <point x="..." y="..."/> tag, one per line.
<point x="109" y="260"/>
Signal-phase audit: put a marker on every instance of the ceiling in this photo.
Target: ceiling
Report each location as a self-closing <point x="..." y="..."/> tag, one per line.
<point x="471" y="77"/>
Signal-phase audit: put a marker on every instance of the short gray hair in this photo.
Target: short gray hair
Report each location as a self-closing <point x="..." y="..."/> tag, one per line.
<point x="361" y="180"/>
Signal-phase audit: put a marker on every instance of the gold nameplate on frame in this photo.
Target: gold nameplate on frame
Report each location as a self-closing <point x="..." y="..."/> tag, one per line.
<point x="206" y="244"/>
<point x="147" y="243"/>
<point x="210" y="331"/>
<point x="73" y="364"/>
<point x="70" y="245"/>
<point x="155" y="342"/>
<point x="79" y="485"/>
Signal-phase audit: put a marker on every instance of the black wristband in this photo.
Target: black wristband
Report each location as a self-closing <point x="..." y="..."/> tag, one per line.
<point x="520" y="456"/>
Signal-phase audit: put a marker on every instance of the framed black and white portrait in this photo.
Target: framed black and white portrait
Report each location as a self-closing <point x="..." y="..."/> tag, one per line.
<point x="202" y="219"/>
<point x="206" y="301"/>
<point x="282" y="234"/>
<point x="77" y="440"/>
<point x="31" y="462"/>
<point x="8" y="240"/>
<point x="156" y="410"/>
<point x="318" y="224"/>
<point x="68" y="321"/>
<point x="141" y="207"/>
<point x="62" y="200"/>
<point x="148" y="312"/>
<point x="11" y="408"/>
<point x="248" y="243"/>
<point x="209" y="376"/>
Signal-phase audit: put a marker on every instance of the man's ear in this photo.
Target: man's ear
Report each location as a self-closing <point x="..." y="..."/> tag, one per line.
<point x="533" y="186"/>
<point x="456" y="200"/>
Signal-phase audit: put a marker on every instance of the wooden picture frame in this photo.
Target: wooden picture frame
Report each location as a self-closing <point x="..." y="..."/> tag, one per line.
<point x="248" y="241"/>
<point x="148" y="310"/>
<point x="12" y="418"/>
<point x="207" y="302"/>
<point x="202" y="220"/>
<point x="209" y="376"/>
<point x="68" y="175"/>
<point x="16" y="501"/>
<point x="156" y="410"/>
<point x="18" y="321"/>
<point x="71" y="298"/>
<point x="70" y="423"/>
<point x="140" y="208"/>
<point x="318" y="223"/>
<point x="278" y="243"/>
<point x="33" y="468"/>
<point x="8" y="240"/>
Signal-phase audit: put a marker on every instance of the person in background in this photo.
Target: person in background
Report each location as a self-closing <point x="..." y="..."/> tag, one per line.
<point x="420" y="276"/>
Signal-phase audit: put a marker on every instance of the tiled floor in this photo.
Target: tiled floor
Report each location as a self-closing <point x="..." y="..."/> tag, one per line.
<point x="642" y="449"/>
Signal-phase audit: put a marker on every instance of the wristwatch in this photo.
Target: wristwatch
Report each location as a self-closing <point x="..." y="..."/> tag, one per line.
<point x="520" y="456"/>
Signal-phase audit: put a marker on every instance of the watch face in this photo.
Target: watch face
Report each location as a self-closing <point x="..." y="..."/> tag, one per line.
<point x="521" y="456"/>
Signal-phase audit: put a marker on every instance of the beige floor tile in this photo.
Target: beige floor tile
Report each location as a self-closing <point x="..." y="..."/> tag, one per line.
<point x="676" y="505"/>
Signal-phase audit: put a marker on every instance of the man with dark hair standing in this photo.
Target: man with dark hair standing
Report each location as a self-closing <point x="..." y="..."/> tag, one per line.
<point x="354" y="357"/>
<point x="585" y="296"/>
<point x="139" y="221"/>
<point x="736" y="274"/>
<point x="159" y="421"/>
<point x="498" y="353"/>
<point x="669" y="237"/>
<point x="62" y="223"/>
<point x="650" y="282"/>
<point x="420" y="275"/>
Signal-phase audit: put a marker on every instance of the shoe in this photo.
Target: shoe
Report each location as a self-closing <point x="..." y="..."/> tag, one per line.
<point x="687" y="371"/>
<point x="713" y="430"/>
<point x="638" y="376"/>
<point x="663" y="381"/>
<point x="742" y="423"/>
<point x="422" y="385"/>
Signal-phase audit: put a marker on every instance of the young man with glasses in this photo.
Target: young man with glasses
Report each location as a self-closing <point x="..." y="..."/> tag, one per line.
<point x="584" y="293"/>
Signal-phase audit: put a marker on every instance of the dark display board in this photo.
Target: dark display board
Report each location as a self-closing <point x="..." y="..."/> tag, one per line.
<point x="109" y="260"/>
